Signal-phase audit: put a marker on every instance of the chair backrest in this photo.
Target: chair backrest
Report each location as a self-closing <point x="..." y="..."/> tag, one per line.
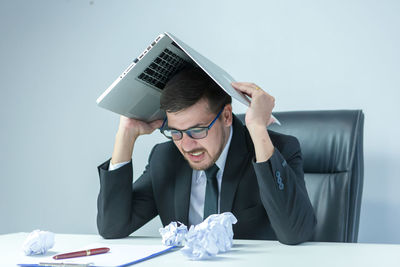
<point x="332" y="148"/>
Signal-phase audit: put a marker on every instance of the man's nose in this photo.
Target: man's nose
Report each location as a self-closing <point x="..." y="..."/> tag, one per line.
<point x="187" y="142"/>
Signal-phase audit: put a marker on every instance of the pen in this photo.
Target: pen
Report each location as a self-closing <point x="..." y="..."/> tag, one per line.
<point x="62" y="264"/>
<point x="81" y="253"/>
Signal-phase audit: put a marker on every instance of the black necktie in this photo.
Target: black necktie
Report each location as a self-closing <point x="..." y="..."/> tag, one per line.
<point x="211" y="199"/>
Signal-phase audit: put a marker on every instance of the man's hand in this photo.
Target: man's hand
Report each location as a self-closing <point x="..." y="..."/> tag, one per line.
<point x="259" y="112"/>
<point x="128" y="130"/>
<point x="135" y="128"/>
<point x="258" y="117"/>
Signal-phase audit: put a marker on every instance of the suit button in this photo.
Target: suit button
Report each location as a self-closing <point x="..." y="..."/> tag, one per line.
<point x="279" y="180"/>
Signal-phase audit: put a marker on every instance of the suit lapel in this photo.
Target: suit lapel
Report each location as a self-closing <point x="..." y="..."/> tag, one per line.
<point x="183" y="183"/>
<point x="238" y="155"/>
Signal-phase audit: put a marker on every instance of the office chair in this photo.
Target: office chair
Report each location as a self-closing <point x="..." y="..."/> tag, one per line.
<point x="332" y="148"/>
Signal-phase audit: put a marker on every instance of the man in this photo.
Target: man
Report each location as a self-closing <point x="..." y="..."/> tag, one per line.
<point x="212" y="165"/>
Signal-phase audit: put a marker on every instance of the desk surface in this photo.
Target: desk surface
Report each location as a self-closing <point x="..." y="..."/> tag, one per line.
<point x="246" y="253"/>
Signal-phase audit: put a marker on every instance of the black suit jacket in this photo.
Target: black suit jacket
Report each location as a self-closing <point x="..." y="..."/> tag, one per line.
<point x="269" y="199"/>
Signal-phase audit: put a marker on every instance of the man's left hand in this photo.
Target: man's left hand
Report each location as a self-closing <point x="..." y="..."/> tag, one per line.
<point x="260" y="109"/>
<point x="258" y="117"/>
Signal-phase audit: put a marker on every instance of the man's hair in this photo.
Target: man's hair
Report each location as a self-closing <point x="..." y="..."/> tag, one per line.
<point x="190" y="85"/>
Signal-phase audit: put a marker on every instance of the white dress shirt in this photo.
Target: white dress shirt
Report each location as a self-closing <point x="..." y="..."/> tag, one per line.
<point x="199" y="182"/>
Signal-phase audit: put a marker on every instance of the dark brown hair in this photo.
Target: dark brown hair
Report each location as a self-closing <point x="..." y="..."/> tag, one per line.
<point x="190" y="85"/>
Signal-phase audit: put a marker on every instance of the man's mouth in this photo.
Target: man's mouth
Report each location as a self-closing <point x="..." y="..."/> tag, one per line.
<point x="196" y="156"/>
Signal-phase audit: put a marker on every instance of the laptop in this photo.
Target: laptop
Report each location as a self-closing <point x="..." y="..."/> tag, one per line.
<point x="136" y="92"/>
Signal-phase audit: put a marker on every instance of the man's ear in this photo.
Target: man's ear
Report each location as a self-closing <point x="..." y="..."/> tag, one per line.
<point x="227" y="115"/>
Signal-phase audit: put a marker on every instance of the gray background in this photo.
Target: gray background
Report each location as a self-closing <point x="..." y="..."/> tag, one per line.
<point x="57" y="57"/>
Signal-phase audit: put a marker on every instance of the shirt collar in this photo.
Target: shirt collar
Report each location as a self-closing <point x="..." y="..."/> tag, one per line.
<point x="222" y="158"/>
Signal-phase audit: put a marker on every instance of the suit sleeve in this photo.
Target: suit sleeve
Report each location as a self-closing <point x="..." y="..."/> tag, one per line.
<point x="284" y="195"/>
<point x="123" y="207"/>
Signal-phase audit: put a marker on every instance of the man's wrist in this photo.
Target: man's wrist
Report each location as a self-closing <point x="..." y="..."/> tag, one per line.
<point x="264" y="149"/>
<point x="123" y="147"/>
<point x="257" y="130"/>
<point x="127" y="134"/>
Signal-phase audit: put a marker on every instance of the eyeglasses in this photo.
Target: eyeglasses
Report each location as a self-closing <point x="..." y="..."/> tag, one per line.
<point x="195" y="132"/>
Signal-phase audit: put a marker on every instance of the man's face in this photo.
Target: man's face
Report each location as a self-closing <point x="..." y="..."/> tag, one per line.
<point x="201" y="153"/>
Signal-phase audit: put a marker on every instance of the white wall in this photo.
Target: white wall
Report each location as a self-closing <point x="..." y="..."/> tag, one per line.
<point x="57" y="57"/>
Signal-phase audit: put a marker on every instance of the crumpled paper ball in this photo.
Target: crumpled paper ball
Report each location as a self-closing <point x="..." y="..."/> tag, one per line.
<point x="173" y="234"/>
<point x="212" y="236"/>
<point x="38" y="242"/>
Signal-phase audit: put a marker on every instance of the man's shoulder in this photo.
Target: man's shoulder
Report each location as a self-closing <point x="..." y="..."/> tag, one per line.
<point x="164" y="160"/>
<point x="164" y="150"/>
<point x="283" y="141"/>
<point x="278" y="139"/>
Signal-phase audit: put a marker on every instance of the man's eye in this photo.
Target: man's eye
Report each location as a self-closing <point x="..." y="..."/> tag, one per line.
<point x="174" y="132"/>
<point x="197" y="130"/>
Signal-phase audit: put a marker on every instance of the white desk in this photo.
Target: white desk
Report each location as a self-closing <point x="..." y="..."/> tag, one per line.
<point x="245" y="253"/>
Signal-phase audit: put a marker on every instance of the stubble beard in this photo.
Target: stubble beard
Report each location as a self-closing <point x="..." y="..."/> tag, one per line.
<point x="213" y="160"/>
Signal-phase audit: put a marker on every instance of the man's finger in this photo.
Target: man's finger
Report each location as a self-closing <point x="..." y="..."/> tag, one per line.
<point x="246" y="83"/>
<point x="271" y="120"/>
<point x="248" y="88"/>
<point x="156" y="124"/>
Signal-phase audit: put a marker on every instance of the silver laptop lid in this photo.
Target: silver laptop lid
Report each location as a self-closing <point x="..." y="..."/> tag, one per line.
<point x="220" y="76"/>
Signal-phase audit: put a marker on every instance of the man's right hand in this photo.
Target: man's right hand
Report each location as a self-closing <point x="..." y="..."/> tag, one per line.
<point x="128" y="130"/>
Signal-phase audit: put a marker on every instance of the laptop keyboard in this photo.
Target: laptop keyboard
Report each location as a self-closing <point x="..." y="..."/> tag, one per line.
<point x="159" y="72"/>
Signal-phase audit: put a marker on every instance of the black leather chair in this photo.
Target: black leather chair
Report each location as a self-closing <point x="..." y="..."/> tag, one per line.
<point x="332" y="148"/>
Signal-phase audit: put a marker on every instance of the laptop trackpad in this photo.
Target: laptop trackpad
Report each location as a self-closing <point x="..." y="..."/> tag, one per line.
<point x="146" y="107"/>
